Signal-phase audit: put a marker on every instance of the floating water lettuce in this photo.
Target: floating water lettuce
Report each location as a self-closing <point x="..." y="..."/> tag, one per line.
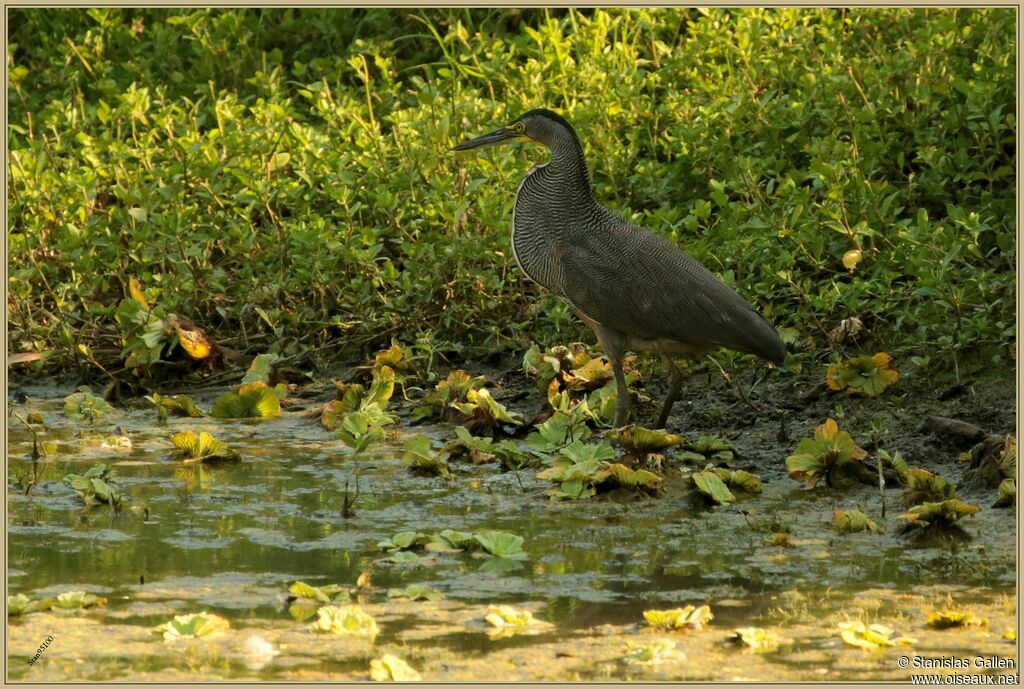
<point x="544" y="367"/>
<point x="641" y="445"/>
<point x="361" y="428"/>
<point x="560" y="430"/>
<point x="407" y="557"/>
<point x="938" y="514"/>
<point x="951" y="619"/>
<point x="389" y="668"/>
<point x="395" y="358"/>
<point x="578" y="470"/>
<point x="484" y="414"/>
<point x="1007" y="496"/>
<point x="421" y="459"/>
<point x="85" y="405"/>
<point x="721" y="491"/>
<point x="757" y="639"/>
<point x="92" y="486"/>
<point x="871" y="637"/>
<point x="260" y="369"/>
<point x="865" y="375"/>
<point x="192" y="448"/>
<point x="23" y="605"/>
<point x="76" y="600"/>
<point x="348" y="620"/>
<point x="355" y="398"/>
<point x="483" y="450"/>
<point x="403" y="540"/>
<point x="252" y="400"/>
<point x="449" y="541"/>
<point x="193" y="626"/>
<point x="688" y="617"/>
<point x="17" y="605"/>
<point x="415" y="592"/>
<point x="331" y="593"/>
<point x="780" y="539"/>
<point x="181" y="405"/>
<point x="708" y="448"/>
<point x="924" y="486"/>
<point x="635" y="479"/>
<point x="505" y="620"/>
<point x="653" y="653"/>
<point x="501" y="544"/>
<point x="453" y="389"/>
<point x="1008" y="458"/>
<point x="710" y="484"/>
<point x="896" y="461"/>
<point x="852" y="521"/>
<point x="819" y="456"/>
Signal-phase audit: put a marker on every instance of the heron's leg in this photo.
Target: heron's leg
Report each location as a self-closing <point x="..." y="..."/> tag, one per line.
<point x="613" y="344"/>
<point x="623" y="402"/>
<point x="673" y="390"/>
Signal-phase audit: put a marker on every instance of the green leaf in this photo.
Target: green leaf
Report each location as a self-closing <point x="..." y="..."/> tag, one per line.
<point x="348" y="620"/>
<point x="635" y="479"/>
<point x="484" y="413"/>
<point x="871" y="637"/>
<point x="710" y="485"/>
<point x="757" y="639"/>
<point x="501" y="544"/>
<point x="938" y="514"/>
<point x="85" y="405"/>
<point x="924" y="486"/>
<point x="389" y="668"/>
<point x="382" y="388"/>
<point x="951" y="619"/>
<point x="76" y="600"/>
<point x="402" y="540"/>
<point x="1007" y="493"/>
<point x="504" y="621"/>
<point x="415" y="592"/>
<point x="194" y="626"/>
<point x="419" y="456"/>
<point x="192" y="448"/>
<point x="252" y="400"/>
<point x="636" y="440"/>
<point x="817" y="457"/>
<point x="653" y="653"/>
<point x="852" y="521"/>
<point x="688" y="617"/>
<point x="866" y="375"/>
<point x="260" y="369"/>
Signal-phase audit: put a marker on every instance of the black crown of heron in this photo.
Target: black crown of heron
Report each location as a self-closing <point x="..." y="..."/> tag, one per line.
<point x="634" y="289"/>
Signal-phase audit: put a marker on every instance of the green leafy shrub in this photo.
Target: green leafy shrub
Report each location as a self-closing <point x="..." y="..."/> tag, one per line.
<point x="278" y="173"/>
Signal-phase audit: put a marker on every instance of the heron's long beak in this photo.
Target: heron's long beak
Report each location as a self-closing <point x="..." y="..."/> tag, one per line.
<point x="498" y="136"/>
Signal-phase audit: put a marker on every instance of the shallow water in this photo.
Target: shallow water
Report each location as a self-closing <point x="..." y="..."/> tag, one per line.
<point x="231" y="539"/>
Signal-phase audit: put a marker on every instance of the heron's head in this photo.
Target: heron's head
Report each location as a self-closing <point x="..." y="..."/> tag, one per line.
<point x="537" y="126"/>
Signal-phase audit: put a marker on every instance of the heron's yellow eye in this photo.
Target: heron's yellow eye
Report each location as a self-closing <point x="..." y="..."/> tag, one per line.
<point x="518" y="127"/>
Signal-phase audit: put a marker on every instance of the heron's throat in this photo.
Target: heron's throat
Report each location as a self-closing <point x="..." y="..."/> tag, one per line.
<point x="553" y="203"/>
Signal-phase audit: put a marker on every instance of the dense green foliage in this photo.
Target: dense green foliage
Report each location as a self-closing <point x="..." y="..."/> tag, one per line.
<point x="281" y="176"/>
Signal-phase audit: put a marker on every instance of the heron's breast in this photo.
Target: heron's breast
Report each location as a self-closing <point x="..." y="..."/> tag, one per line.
<point x="536" y="228"/>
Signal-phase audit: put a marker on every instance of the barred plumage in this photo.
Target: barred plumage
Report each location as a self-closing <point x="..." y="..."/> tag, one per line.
<point x="632" y="287"/>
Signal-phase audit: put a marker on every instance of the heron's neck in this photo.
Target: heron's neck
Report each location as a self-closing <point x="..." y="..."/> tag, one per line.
<point x="567" y="162"/>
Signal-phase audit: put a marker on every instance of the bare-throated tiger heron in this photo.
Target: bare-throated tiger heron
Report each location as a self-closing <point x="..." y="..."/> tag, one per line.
<point x="634" y="289"/>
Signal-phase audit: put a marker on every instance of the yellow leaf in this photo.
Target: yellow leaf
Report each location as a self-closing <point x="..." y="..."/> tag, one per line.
<point x="135" y="289"/>
<point x="194" y="342"/>
<point x="851" y="259"/>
